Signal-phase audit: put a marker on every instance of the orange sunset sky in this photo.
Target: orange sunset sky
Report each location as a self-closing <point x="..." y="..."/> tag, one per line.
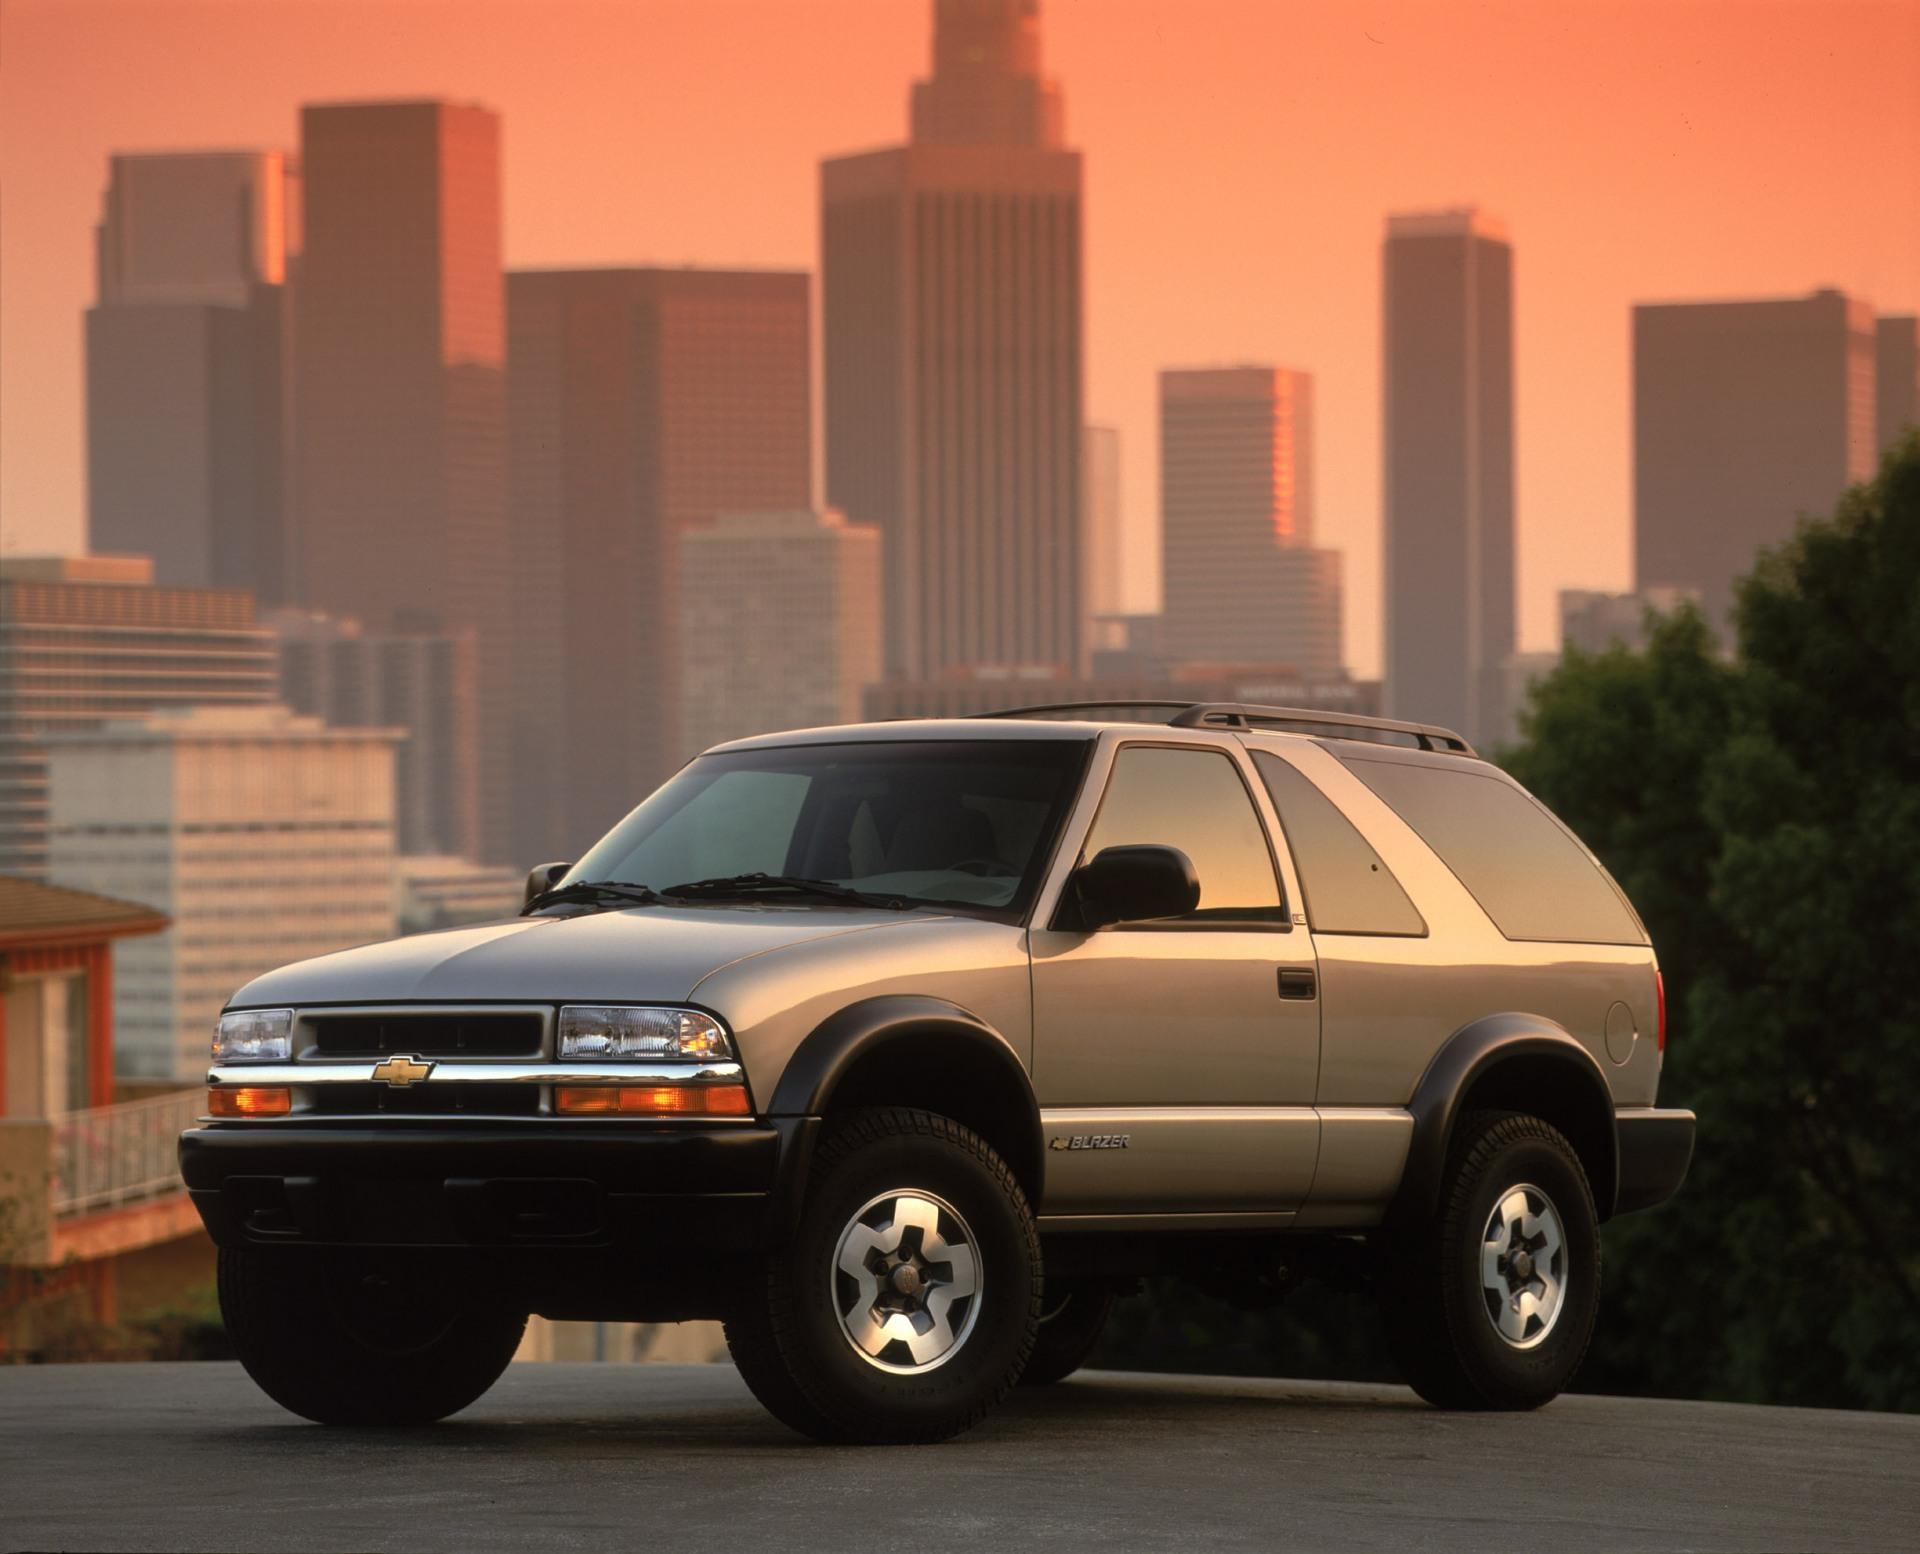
<point x="1241" y="158"/>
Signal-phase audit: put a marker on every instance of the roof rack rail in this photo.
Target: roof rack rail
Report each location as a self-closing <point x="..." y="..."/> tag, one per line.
<point x="1227" y="714"/>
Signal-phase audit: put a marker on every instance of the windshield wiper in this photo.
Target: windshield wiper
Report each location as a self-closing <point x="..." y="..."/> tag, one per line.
<point x="753" y="884"/>
<point x="595" y="890"/>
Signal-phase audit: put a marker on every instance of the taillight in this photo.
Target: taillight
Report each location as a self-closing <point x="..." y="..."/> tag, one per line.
<point x="1660" y="1006"/>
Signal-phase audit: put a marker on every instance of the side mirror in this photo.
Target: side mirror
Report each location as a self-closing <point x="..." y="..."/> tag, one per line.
<point x="541" y="878"/>
<point x="1135" y="885"/>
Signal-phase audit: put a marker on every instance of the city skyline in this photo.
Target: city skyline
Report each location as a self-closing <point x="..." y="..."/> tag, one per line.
<point x="1210" y="279"/>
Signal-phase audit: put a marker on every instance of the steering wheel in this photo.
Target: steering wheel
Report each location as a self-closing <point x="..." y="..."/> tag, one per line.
<point x="987" y="868"/>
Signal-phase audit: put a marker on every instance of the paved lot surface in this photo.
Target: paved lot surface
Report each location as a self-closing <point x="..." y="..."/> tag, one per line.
<point x="673" y="1457"/>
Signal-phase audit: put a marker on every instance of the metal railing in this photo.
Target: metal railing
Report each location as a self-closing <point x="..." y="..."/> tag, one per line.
<point x="112" y="1155"/>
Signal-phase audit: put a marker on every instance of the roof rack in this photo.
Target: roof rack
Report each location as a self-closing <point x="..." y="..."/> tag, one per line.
<point x="1228" y="714"/>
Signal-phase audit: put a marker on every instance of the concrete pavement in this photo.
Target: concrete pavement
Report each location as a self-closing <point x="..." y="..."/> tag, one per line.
<point x="671" y="1457"/>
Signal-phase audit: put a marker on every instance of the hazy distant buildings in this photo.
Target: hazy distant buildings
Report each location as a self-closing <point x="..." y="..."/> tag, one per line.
<point x="266" y="837"/>
<point x="951" y="306"/>
<point x="84" y="639"/>
<point x="1746" y="415"/>
<point x="400" y="475"/>
<point x="424" y="683"/>
<point x="185" y="356"/>
<point x="644" y="403"/>
<point x="1102" y="539"/>
<point x="1448" y="468"/>
<point x="1896" y="378"/>
<point x="437" y="891"/>
<point x="1241" y="580"/>
<point x="802" y="594"/>
<point x="1593" y="620"/>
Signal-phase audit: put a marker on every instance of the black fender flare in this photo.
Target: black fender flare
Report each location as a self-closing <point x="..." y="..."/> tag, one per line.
<point x="1467" y="1056"/>
<point x="839" y="1043"/>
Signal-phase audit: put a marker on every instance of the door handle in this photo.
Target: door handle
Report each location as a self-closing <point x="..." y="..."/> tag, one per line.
<point x="1296" y="982"/>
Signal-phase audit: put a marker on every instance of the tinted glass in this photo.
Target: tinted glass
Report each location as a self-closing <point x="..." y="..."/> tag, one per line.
<point x="1193" y="800"/>
<point x="966" y="824"/>
<point x="1523" y="867"/>
<point x="1348" y="888"/>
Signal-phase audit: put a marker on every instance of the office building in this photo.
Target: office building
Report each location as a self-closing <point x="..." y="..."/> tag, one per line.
<point x="424" y="683"/>
<point x="1102" y="535"/>
<point x="400" y="473"/>
<point x="1594" y="620"/>
<point x="265" y="836"/>
<point x="1746" y="416"/>
<point x="442" y="892"/>
<point x="84" y="639"/>
<point x="951" y="307"/>
<point x="645" y="403"/>
<point x="803" y="600"/>
<point x="1896" y="379"/>
<point x="1448" y="467"/>
<point x="1241" y="580"/>
<point x="185" y="366"/>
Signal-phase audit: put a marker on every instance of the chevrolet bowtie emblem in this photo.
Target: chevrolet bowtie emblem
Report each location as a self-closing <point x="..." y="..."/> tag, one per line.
<point x="399" y="1072"/>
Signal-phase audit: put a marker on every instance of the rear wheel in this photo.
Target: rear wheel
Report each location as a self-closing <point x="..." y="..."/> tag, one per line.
<point x="1073" y="1315"/>
<point x="1492" y="1305"/>
<point x="903" y="1307"/>
<point x="357" y="1338"/>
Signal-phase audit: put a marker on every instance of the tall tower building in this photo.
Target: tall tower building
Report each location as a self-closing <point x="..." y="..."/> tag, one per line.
<point x="1896" y="379"/>
<point x="805" y="587"/>
<point x="644" y="404"/>
<point x="1745" y="416"/>
<point x="1242" y="580"/>
<point x="185" y="353"/>
<point x="400" y="377"/>
<point x="1448" y="467"/>
<point x="1102" y="538"/>
<point x="951" y="304"/>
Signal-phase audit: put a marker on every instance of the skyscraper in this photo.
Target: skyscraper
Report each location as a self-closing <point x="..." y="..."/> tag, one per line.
<point x="1896" y="378"/>
<point x="1102" y="540"/>
<point x="185" y="365"/>
<point x="1241" y="579"/>
<point x="804" y="588"/>
<point x="1448" y="468"/>
<point x="1745" y="416"/>
<point x="951" y="305"/>
<point x="84" y="639"/>
<point x="400" y="460"/>
<point x="645" y="402"/>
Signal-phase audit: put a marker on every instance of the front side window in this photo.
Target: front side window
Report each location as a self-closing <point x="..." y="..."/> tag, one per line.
<point x="1194" y="800"/>
<point x="961" y="824"/>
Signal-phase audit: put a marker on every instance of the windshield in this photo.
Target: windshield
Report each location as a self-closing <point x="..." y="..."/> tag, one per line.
<point x="966" y="824"/>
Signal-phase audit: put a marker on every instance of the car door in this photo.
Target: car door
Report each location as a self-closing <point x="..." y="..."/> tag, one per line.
<point x="1175" y="1061"/>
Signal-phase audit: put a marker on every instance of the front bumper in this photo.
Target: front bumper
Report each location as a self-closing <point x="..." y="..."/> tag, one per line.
<point x="1654" y="1150"/>
<point x="548" y="1183"/>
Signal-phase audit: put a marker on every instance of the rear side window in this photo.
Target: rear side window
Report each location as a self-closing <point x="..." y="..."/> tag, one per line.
<point x="1528" y="874"/>
<point x="1348" y="888"/>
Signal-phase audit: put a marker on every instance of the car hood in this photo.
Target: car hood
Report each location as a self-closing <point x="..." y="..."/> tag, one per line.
<point x="635" y="955"/>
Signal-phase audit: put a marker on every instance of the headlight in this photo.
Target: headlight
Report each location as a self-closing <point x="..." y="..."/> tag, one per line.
<point x="624" y="1031"/>
<point x="254" y="1036"/>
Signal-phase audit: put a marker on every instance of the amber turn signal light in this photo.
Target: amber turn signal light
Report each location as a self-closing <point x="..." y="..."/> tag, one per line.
<point x="652" y="1100"/>
<point x="249" y="1100"/>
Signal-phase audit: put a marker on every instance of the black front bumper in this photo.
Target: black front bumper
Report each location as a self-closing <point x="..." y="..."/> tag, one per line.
<point x="554" y="1184"/>
<point x="1655" y="1148"/>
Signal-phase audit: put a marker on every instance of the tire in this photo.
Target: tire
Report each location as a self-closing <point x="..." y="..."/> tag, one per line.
<point x="1470" y="1325"/>
<point x="928" y="1363"/>
<point x="1072" y="1318"/>
<point x="356" y="1338"/>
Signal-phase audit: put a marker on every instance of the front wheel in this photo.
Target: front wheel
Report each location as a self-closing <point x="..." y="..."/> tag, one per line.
<point x="356" y="1338"/>
<point x="1493" y="1304"/>
<point x="903" y="1306"/>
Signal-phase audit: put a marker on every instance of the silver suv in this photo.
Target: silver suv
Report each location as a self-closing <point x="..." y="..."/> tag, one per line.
<point x="903" y="1048"/>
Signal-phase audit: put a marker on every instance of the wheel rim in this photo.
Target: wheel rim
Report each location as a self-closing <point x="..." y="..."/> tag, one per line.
<point x="906" y="1281"/>
<point x="1523" y="1266"/>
